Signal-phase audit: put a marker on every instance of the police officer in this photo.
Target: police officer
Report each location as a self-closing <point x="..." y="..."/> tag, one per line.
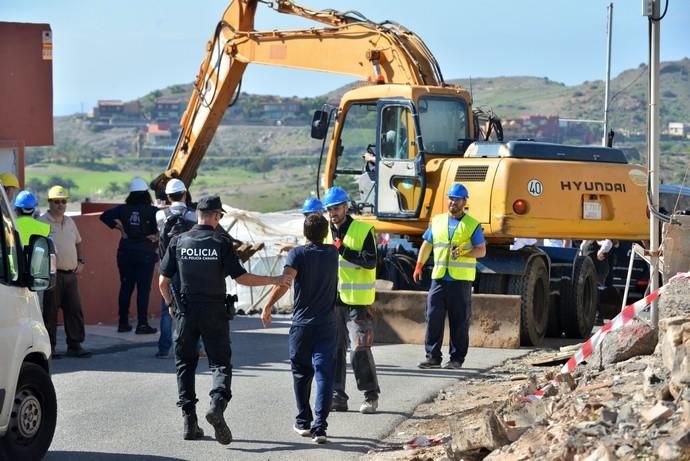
<point x="203" y="258"/>
<point x="24" y="206"/>
<point x="457" y="240"/>
<point x="356" y="244"/>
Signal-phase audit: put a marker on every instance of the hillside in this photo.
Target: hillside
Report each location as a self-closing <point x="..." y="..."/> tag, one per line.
<point x="253" y="143"/>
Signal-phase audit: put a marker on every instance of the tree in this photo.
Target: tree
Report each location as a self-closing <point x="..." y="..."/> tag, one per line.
<point x="113" y="188"/>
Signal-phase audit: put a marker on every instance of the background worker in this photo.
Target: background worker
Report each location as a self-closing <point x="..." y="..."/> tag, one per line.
<point x="457" y="241"/>
<point x="311" y="205"/>
<point x="70" y="262"/>
<point x="174" y="217"/>
<point x="24" y="206"/>
<point x="312" y="339"/>
<point x="356" y="244"/>
<point x="203" y="257"/>
<point x="10" y="183"/>
<point x="136" y="253"/>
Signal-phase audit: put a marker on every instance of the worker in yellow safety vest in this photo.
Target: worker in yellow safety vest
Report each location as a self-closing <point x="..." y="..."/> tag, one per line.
<point x="457" y="240"/>
<point x="356" y="244"/>
<point x="24" y="206"/>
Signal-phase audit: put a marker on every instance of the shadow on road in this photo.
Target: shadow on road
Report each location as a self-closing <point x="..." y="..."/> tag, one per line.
<point x="92" y="456"/>
<point x="335" y="444"/>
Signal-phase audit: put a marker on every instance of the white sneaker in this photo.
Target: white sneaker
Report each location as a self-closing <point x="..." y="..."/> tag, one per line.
<point x="320" y="438"/>
<point x="369" y="407"/>
<point x="300" y="431"/>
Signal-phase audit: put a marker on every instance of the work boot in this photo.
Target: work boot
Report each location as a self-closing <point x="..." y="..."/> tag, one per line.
<point x="192" y="431"/>
<point x="215" y="418"/>
<point x="145" y="329"/>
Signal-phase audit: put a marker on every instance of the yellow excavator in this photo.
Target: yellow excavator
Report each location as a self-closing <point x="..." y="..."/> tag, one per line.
<point x="398" y="141"/>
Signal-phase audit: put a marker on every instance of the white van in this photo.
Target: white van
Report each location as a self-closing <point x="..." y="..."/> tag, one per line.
<point x="28" y="406"/>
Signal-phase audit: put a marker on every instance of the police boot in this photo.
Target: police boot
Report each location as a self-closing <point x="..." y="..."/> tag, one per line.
<point x="192" y="431"/>
<point x="215" y="418"/>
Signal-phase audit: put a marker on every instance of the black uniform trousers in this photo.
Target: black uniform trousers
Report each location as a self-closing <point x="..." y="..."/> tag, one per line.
<point x="209" y="321"/>
<point x="65" y="296"/>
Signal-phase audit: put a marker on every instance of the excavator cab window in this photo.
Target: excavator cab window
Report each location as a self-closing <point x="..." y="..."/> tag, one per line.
<point x="444" y="124"/>
<point x="399" y="171"/>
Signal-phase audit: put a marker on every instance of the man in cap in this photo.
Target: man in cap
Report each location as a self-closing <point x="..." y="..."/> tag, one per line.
<point x="356" y="244"/>
<point x="457" y="241"/>
<point x="10" y="183"/>
<point x="176" y="192"/>
<point x="70" y="262"/>
<point x="203" y="257"/>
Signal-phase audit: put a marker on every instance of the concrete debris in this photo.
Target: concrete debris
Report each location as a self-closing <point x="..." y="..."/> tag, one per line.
<point x="635" y="339"/>
<point x="637" y="406"/>
<point x="477" y="428"/>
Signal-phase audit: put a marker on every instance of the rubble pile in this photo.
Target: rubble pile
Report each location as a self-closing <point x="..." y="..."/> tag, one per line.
<point x="631" y="400"/>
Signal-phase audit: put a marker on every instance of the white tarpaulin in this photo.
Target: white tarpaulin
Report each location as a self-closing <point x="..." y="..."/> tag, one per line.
<point x="273" y="229"/>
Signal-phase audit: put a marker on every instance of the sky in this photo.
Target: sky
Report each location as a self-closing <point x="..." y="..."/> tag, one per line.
<point x="127" y="48"/>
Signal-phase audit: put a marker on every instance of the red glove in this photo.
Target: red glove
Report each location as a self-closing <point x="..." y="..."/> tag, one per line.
<point x="417" y="275"/>
<point x="338" y="243"/>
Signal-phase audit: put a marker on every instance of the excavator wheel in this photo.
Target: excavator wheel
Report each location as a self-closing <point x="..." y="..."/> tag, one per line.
<point x="533" y="289"/>
<point x="580" y="307"/>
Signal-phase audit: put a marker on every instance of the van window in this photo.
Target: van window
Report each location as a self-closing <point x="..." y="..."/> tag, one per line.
<point x="9" y="267"/>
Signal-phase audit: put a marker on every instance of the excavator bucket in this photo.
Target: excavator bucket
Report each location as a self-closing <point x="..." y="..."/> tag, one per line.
<point x="399" y="317"/>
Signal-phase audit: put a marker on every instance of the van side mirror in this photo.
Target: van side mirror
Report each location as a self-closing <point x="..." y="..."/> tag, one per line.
<point x="319" y="124"/>
<point x="42" y="265"/>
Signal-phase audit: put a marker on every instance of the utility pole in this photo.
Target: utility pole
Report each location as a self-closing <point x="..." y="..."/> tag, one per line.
<point x="608" y="74"/>
<point x="653" y="148"/>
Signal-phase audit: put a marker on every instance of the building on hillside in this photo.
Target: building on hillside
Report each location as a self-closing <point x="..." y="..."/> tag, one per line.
<point x="677" y="129"/>
<point x="168" y="109"/>
<point x="156" y="140"/>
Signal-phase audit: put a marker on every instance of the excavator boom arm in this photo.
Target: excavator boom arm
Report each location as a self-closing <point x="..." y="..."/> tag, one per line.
<point x="350" y="45"/>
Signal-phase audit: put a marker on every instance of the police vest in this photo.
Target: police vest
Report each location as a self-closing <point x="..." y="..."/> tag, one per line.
<point x="448" y="251"/>
<point x="199" y="255"/>
<point x="28" y="226"/>
<point x="356" y="285"/>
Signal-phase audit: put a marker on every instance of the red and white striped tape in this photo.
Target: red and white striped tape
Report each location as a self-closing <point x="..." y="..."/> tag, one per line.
<point x="627" y="314"/>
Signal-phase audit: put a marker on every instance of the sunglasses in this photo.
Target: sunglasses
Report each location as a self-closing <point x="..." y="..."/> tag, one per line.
<point x="59" y="201"/>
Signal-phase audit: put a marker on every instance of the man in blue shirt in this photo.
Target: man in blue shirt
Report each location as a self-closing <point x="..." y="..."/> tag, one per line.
<point x="457" y="240"/>
<point x="312" y="340"/>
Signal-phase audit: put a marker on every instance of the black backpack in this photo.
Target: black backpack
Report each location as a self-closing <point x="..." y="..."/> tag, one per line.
<point x="174" y="224"/>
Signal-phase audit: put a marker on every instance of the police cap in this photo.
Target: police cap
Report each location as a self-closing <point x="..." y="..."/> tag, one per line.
<point x="210" y="203"/>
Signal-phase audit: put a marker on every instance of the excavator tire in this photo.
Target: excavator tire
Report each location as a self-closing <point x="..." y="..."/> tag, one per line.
<point x="492" y="283"/>
<point x="580" y="307"/>
<point x="533" y="288"/>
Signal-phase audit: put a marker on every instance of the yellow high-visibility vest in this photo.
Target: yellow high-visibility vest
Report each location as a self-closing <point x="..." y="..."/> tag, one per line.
<point x="28" y="226"/>
<point x="458" y="267"/>
<point x="356" y="285"/>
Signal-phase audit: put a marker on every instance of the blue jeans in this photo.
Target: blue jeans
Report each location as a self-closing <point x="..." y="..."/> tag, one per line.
<point x="165" y="340"/>
<point x="312" y="355"/>
<point x="452" y="298"/>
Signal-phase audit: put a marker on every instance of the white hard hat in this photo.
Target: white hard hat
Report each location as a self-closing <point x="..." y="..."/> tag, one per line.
<point x="138" y="185"/>
<point x="175" y="185"/>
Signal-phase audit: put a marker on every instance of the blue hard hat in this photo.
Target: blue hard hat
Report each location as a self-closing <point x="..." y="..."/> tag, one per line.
<point x="312" y="205"/>
<point x="26" y="200"/>
<point x="335" y="196"/>
<point x="458" y="191"/>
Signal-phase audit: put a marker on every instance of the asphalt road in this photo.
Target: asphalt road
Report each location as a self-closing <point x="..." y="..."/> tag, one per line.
<point x="119" y="405"/>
